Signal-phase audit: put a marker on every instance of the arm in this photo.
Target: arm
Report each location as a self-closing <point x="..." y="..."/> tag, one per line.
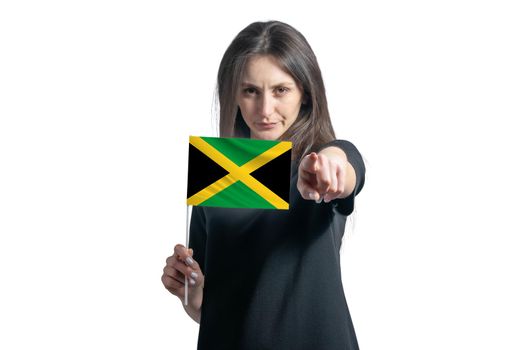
<point x="193" y="311"/>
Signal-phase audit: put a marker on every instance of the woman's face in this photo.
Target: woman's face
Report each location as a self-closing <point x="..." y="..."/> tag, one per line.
<point x="269" y="98"/>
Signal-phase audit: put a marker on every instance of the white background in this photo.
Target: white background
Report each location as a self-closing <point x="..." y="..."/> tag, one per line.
<point x="98" y="98"/>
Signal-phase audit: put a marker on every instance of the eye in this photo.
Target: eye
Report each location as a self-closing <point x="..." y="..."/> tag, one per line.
<point x="249" y="91"/>
<point x="281" y="90"/>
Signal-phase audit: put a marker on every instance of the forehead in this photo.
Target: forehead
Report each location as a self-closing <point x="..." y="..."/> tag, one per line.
<point x="265" y="69"/>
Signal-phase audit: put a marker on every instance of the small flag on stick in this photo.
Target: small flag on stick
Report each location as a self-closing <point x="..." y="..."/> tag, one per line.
<point x="239" y="173"/>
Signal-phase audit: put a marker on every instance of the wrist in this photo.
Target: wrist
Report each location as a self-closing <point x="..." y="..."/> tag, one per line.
<point x="194" y="298"/>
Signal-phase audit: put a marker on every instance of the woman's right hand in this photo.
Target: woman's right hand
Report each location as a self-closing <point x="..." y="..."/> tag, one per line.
<point x="179" y="265"/>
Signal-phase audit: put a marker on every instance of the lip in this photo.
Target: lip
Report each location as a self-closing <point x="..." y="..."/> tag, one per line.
<point x="265" y="126"/>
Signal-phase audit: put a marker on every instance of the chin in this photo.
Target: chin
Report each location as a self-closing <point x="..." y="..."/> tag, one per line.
<point x="266" y="136"/>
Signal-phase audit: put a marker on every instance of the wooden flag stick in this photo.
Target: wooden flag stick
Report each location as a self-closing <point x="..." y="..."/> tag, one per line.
<point x="187" y="247"/>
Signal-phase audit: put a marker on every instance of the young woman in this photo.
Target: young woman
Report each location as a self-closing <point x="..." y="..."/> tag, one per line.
<point x="271" y="279"/>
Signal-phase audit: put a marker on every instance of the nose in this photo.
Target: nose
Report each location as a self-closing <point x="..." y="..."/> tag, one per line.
<point x="267" y="105"/>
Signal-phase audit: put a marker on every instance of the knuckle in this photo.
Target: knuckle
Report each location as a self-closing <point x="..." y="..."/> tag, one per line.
<point x="170" y="271"/>
<point x="165" y="280"/>
<point x="325" y="182"/>
<point x="179" y="266"/>
<point x="169" y="284"/>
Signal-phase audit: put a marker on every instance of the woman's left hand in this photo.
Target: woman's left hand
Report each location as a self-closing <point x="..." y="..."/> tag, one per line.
<point x="325" y="175"/>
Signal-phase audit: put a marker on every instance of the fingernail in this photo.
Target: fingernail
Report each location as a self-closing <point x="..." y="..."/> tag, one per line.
<point x="311" y="195"/>
<point x="192" y="281"/>
<point x="194" y="274"/>
<point x="189" y="261"/>
<point x="319" y="200"/>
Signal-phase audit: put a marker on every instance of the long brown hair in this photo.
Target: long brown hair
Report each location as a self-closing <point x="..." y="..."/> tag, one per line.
<point x="313" y="127"/>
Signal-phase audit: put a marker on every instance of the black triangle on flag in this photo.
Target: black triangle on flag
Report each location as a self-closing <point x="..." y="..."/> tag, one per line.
<point x="202" y="171"/>
<point x="272" y="174"/>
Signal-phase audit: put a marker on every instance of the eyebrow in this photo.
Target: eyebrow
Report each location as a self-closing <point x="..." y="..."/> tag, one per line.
<point x="286" y="83"/>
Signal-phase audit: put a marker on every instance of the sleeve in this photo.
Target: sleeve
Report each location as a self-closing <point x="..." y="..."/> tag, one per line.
<point x="345" y="206"/>
<point x="198" y="236"/>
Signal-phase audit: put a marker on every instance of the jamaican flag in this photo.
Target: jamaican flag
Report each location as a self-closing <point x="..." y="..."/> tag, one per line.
<point x="239" y="173"/>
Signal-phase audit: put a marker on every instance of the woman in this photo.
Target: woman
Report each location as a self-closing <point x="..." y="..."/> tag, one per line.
<point x="271" y="279"/>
